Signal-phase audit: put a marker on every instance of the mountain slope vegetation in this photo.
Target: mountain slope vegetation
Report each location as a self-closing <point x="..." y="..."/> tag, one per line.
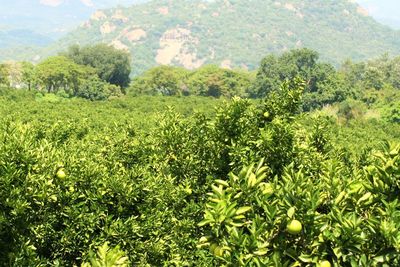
<point x="235" y="33"/>
<point x="12" y="38"/>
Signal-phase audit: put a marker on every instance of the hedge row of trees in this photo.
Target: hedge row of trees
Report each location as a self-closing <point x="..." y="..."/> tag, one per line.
<point x="209" y="80"/>
<point x="324" y="83"/>
<point x="93" y="72"/>
<point x="100" y="71"/>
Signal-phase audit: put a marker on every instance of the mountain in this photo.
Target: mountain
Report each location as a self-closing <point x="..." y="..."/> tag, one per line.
<point x="51" y="18"/>
<point x="13" y="38"/>
<point x="234" y="33"/>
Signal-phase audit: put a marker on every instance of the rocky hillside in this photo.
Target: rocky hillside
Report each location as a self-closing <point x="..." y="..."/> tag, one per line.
<point x="235" y="33"/>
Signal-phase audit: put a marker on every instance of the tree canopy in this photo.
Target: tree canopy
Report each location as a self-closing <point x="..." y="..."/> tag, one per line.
<point x="164" y="80"/>
<point x="322" y="82"/>
<point x="3" y="74"/>
<point x="209" y="80"/>
<point x="60" y="72"/>
<point x="111" y="65"/>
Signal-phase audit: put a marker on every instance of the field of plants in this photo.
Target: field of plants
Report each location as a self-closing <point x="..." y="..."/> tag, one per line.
<point x="194" y="181"/>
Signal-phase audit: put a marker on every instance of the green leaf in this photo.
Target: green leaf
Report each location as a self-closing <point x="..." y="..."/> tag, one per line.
<point x="291" y="212"/>
<point x="261" y="252"/>
<point x="218" y="190"/>
<point x="242" y="210"/>
<point x="340" y="197"/>
<point x="222" y="182"/>
<point x="251" y="180"/>
<point x="205" y="222"/>
<point x="364" y="197"/>
<point x="306" y="258"/>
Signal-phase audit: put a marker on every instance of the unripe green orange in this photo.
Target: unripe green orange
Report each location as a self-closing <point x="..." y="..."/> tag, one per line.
<point x="294" y="227"/>
<point x="61" y="174"/>
<point x="325" y="264"/>
<point x="218" y="251"/>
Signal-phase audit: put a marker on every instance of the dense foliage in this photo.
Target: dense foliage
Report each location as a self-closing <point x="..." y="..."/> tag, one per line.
<point x="206" y="81"/>
<point x="100" y="72"/>
<point x="58" y="73"/>
<point x="94" y="72"/>
<point x="355" y="89"/>
<point x="107" y="174"/>
<point x="323" y="86"/>
<point x="294" y="164"/>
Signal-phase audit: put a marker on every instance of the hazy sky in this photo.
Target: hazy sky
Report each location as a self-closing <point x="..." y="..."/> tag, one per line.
<point x="388" y="8"/>
<point x="384" y="10"/>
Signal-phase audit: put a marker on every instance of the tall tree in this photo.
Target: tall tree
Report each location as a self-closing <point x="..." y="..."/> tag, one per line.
<point x="29" y="77"/>
<point x="213" y="81"/>
<point x="60" y="72"/>
<point x="321" y="79"/>
<point x="111" y="65"/>
<point x="4" y="80"/>
<point x="165" y="80"/>
<point x="13" y="71"/>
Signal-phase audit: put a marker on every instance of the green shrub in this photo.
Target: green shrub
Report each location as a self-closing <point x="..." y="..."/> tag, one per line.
<point x="347" y="219"/>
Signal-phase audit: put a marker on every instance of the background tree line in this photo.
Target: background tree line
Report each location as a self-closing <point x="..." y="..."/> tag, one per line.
<point x="93" y="72"/>
<point x="352" y="84"/>
<point x="100" y="71"/>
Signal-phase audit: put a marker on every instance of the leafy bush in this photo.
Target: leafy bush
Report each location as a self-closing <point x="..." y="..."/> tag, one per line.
<point x="95" y="89"/>
<point x="348" y="221"/>
<point x="107" y="257"/>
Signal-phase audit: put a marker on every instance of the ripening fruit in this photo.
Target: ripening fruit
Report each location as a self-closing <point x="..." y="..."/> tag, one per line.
<point x="325" y="264"/>
<point x="218" y="251"/>
<point x="61" y="174"/>
<point x="294" y="227"/>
